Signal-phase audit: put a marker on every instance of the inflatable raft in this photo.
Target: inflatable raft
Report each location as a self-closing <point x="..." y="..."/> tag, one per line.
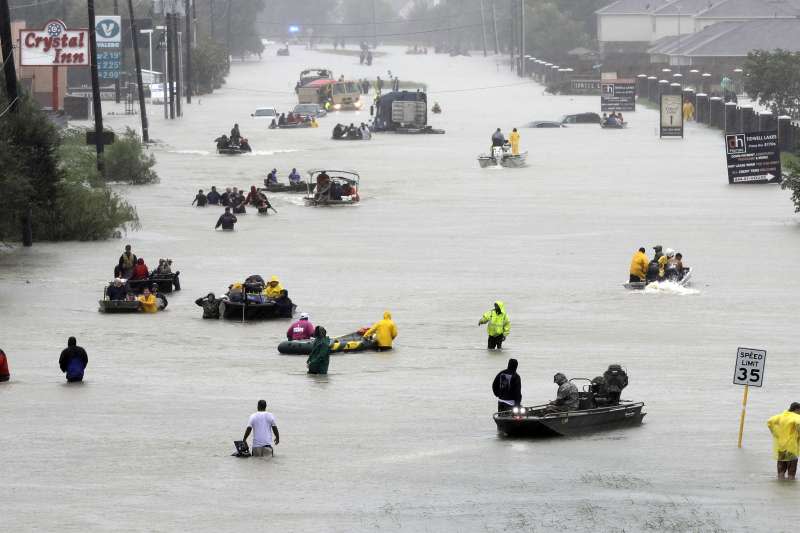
<point x="352" y="342"/>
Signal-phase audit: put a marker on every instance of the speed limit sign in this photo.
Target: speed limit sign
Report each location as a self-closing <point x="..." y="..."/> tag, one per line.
<point x="749" y="369"/>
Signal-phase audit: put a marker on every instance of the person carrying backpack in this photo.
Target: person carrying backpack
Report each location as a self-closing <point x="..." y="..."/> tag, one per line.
<point x="507" y="386"/>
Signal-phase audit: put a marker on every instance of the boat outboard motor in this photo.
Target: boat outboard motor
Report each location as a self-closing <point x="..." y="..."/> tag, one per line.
<point x="616" y="379"/>
<point x="652" y="271"/>
<point x="497" y="153"/>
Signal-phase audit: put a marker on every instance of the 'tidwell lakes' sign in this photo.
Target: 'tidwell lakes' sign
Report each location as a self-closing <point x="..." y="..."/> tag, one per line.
<point x="54" y="46"/>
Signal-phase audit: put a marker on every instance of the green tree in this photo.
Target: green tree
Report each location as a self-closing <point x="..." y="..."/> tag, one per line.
<point x="792" y="182"/>
<point x="209" y="66"/>
<point x="245" y="35"/>
<point x="551" y="32"/>
<point x="773" y="79"/>
<point x="126" y="160"/>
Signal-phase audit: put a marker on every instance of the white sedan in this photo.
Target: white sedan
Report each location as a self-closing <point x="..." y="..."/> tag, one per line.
<point x="265" y="113"/>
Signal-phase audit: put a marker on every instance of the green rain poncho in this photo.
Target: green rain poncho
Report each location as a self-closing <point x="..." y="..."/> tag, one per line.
<point x="320" y="352"/>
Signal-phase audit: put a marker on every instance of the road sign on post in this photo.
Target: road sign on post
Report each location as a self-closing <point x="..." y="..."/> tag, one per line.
<point x="749" y="370"/>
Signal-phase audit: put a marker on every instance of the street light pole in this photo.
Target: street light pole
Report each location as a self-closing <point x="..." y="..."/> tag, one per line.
<point x="149" y="47"/>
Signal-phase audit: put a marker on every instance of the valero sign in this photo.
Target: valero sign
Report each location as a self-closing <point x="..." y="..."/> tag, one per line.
<point x="54" y="46"/>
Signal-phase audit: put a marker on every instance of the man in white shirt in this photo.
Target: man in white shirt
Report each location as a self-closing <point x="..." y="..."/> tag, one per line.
<point x="263" y="425"/>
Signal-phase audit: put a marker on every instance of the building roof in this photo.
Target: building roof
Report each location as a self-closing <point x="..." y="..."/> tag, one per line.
<point x="751" y="9"/>
<point x="686" y="7"/>
<point x="733" y="39"/>
<point x="632" y="7"/>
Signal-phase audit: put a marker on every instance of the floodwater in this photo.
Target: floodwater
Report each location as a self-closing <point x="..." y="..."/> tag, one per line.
<point x="405" y="440"/>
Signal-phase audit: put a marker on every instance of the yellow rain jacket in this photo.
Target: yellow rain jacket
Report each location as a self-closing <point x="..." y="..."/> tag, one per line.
<point x="662" y="265"/>
<point x="639" y="265"/>
<point x="499" y="324"/>
<point x="785" y="429"/>
<point x="273" y="292"/>
<point x="149" y="303"/>
<point x="385" y="331"/>
<point x="513" y="138"/>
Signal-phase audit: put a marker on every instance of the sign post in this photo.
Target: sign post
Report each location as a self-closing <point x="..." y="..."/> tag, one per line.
<point x="749" y="370"/>
<point x="753" y="157"/>
<point x="671" y="124"/>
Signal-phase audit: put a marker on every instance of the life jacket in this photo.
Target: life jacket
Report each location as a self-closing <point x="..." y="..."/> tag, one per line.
<point x="128" y="261"/>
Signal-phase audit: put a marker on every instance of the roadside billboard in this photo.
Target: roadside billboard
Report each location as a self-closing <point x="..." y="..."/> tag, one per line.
<point x="617" y="95"/>
<point x="54" y="45"/>
<point x="753" y="157"/>
<point x="671" y="123"/>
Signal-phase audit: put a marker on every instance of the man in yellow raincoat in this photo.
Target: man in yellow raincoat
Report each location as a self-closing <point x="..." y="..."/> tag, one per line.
<point x="148" y="302"/>
<point x="499" y="325"/>
<point x="638" y="268"/>
<point x="785" y="429"/>
<point x="273" y="288"/>
<point x="385" y="332"/>
<point x="514" y="140"/>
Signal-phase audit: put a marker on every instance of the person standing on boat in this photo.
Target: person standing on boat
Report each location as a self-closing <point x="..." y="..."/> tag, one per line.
<point x="301" y="330"/>
<point x="226" y="220"/>
<point x="785" y="429"/>
<point x="235" y="135"/>
<point x="499" y="325"/>
<point x="638" y="268"/>
<point x="498" y="139"/>
<point x="507" y="386"/>
<point x="126" y="262"/>
<point x="385" y="331"/>
<point x="73" y="361"/>
<point x="514" y="140"/>
<point x="567" y="398"/>
<point x="320" y="355"/>
<point x="262" y="424"/>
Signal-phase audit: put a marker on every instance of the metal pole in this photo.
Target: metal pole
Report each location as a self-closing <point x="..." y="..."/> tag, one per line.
<point x="164" y="71"/>
<point x="374" y="28"/>
<point x="494" y="25"/>
<point x="179" y="76"/>
<point x="9" y="70"/>
<point x="170" y="66"/>
<point x="139" y="85"/>
<point x="512" y="36"/>
<point x="188" y="66"/>
<point x="741" y="420"/>
<point x="211" y="16"/>
<point x="117" y="90"/>
<point x="97" y="109"/>
<point x="483" y="28"/>
<point x="228" y="32"/>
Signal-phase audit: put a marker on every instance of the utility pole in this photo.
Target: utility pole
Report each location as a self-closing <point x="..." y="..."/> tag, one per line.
<point x="170" y="66"/>
<point x="522" y="38"/>
<point x="228" y="32"/>
<point x="211" y="16"/>
<point x="483" y="28"/>
<point x="494" y="26"/>
<point x="139" y="86"/>
<point x="176" y="59"/>
<point x="188" y="66"/>
<point x="374" y="28"/>
<point x="117" y="89"/>
<point x="512" y="36"/>
<point x="97" y="109"/>
<point x="9" y="70"/>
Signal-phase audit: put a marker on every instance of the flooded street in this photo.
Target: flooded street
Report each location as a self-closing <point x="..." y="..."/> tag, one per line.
<point x="404" y="440"/>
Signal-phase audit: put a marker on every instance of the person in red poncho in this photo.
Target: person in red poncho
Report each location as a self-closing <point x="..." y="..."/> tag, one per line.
<point x="140" y="271"/>
<point x="5" y="374"/>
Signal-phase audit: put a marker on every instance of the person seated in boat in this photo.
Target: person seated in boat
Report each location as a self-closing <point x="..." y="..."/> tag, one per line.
<point x="283" y="305"/>
<point x="671" y="271"/>
<point x="620" y="120"/>
<point x="498" y="139"/>
<point x="348" y="190"/>
<point x="244" y="145"/>
<point x="365" y="133"/>
<point x="301" y="330"/>
<point x="164" y="268"/>
<point x="323" y="186"/>
<point x="436" y="108"/>
<point x="567" y="398"/>
<point x="235" y="291"/>
<point x="272" y="178"/>
<point x="615" y="379"/>
<point x="273" y="288"/>
<point x="294" y="177"/>
<point x="679" y="265"/>
<point x="314" y="123"/>
<point x="352" y="132"/>
<point x="200" y="199"/>
<point x="116" y="290"/>
<point x="336" y="190"/>
<point x="147" y="302"/>
<point x="140" y="271"/>
<point x="235" y="135"/>
<point x="282" y="119"/>
<point x="210" y="305"/>
<point x="653" y="268"/>
<point x="222" y="142"/>
<point x="213" y="197"/>
<point x="226" y="220"/>
<point x="604" y="119"/>
<point x="599" y="394"/>
<point x="639" y="264"/>
<point x="338" y="131"/>
<point x="161" y="300"/>
<point x="273" y="124"/>
<point x="291" y="118"/>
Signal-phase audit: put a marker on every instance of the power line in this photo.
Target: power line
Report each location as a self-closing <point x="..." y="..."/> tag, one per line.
<point x="398" y="34"/>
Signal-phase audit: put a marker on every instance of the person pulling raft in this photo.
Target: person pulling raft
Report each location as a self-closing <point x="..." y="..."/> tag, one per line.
<point x="226" y="220"/>
<point x="210" y="305"/>
<point x="639" y="265"/>
<point x="384" y="331"/>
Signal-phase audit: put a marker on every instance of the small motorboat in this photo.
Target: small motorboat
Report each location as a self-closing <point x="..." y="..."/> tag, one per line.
<point x="283" y="51"/>
<point x="166" y="283"/>
<point x="606" y="126"/>
<point x="294" y="125"/>
<point x="234" y="149"/>
<point x="118" y="306"/>
<point x="502" y="156"/>
<point x="537" y="421"/>
<point x="299" y="187"/>
<point x="247" y="311"/>
<point x="352" y="342"/>
<point x="340" y="188"/>
<point x="684" y="280"/>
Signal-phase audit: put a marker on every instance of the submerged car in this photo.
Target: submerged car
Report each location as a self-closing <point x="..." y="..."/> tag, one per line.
<point x="545" y="124"/>
<point x="309" y="110"/>
<point x="265" y="113"/>
<point x="581" y="118"/>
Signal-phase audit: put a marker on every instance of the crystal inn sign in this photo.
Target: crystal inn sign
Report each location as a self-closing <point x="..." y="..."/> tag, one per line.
<point x="54" y="46"/>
